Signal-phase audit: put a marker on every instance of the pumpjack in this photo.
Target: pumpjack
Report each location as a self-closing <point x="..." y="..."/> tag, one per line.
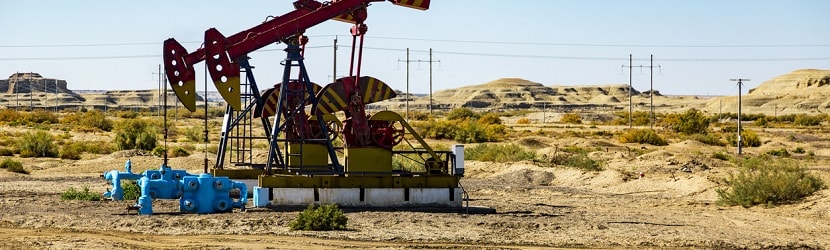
<point x="312" y="155"/>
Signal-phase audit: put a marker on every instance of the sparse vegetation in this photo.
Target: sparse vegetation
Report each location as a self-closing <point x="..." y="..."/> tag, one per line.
<point x="523" y="120"/>
<point x="37" y="144"/>
<point x="721" y="156"/>
<point x="765" y="181"/>
<point x="578" y="160"/>
<point x="499" y="153"/>
<point x="464" y="131"/>
<point x="571" y="118"/>
<point x="748" y="138"/>
<point x="88" y="121"/>
<point x="131" y="190"/>
<point x="779" y="152"/>
<point x="326" y="217"/>
<point x="690" y="122"/>
<point x="708" y="139"/>
<point x="135" y="134"/>
<point x="84" y="195"/>
<point x="13" y="166"/>
<point x="646" y="136"/>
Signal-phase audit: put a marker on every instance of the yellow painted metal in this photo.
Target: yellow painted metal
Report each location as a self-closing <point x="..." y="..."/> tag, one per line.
<point x="332" y="98"/>
<point x="237" y="173"/>
<point x="368" y="159"/>
<point x="354" y="181"/>
<point x="313" y="155"/>
<point x="186" y="92"/>
<point x="392" y="116"/>
<point x="229" y="89"/>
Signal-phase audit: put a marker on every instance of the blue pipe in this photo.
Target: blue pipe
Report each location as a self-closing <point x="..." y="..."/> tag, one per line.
<point x="243" y="195"/>
<point x="115" y="177"/>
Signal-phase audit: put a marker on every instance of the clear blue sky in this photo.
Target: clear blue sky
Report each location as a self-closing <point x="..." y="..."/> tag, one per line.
<point x="551" y="42"/>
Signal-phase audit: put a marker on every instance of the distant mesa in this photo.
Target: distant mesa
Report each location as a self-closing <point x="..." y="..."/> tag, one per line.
<point x="32" y="90"/>
<point x="802" y="91"/>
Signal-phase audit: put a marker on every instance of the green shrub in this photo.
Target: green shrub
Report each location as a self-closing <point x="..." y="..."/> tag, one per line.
<point x="195" y="134"/>
<point x="37" y="144"/>
<point x="780" y="153"/>
<point x="40" y="117"/>
<point x="646" y="136"/>
<point x="84" y="195"/>
<point x="72" y="151"/>
<point x="489" y="119"/>
<point x="13" y="166"/>
<point x="135" y="134"/>
<point x="6" y="152"/>
<point x="88" y="121"/>
<point x="131" y="190"/>
<point x="461" y="114"/>
<point x="807" y="120"/>
<point x="127" y="114"/>
<point x="769" y="182"/>
<point x="326" y="217"/>
<point x="464" y="131"/>
<point x="579" y="160"/>
<point x="761" y="122"/>
<point x="721" y="156"/>
<point x="179" y="152"/>
<point x="159" y="151"/>
<point x="638" y="118"/>
<point x="691" y="122"/>
<point x="571" y="118"/>
<point x="708" y="139"/>
<point x="799" y="150"/>
<point x="499" y="153"/>
<point x="748" y="139"/>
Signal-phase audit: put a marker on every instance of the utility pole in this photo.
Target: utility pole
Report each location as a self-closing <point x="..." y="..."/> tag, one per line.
<point x="334" y="63"/>
<point x="740" y="82"/>
<point x="651" y="67"/>
<point x="430" y="61"/>
<point x="630" y="77"/>
<point x="651" y="91"/>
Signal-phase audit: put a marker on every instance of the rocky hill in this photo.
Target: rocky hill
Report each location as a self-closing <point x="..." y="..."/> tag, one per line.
<point x="799" y="92"/>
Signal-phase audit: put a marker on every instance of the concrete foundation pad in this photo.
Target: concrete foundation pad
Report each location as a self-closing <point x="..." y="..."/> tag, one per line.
<point x="359" y="197"/>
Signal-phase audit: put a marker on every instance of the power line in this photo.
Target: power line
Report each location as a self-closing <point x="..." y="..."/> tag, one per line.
<point x="469" y="42"/>
<point x="462" y="53"/>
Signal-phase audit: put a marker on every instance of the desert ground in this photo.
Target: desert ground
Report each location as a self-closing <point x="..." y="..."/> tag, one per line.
<point x="537" y="204"/>
<point x="644" y="196"/>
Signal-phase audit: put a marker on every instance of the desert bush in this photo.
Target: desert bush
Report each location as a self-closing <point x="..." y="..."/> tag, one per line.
<point x="779" y="152"/>
<point x="807" y="120"/>
<point x="135" y="134"/>
<point x="179" y="152"/>
<point x="464" y="131"/>
<point x="748" y="139"/>
<point x="131" y="190"/>
<point x="88" y="120"/>
<point x="638" y="118"/>
<point x="326" y="217"/>
<point x="6" y="152"/>
<point x="708" y="139"/>
<point x="489" y="119"/>
<point x="461" y="114"/>
<point x="761" y="122"/>
<point x="690" y="122"/>
<point x="646" y="136"/>
<point x="195" y="134"/>
<point x="499" y="153"/>
<point x="40" y="117"/>
<point x="721" y="156"/>
<point x="420" y="115"/>
<point x="37" y="144"/>
<point x="798" y="150"/>
<point x="72" y="151"/>
<point x="769" y="182"/>
<point x="523" y="120"/>
<point x="578" y="160"/>
<point x="571" y="118"/>
<point x="126" y="114"/>
<point x="13" y="166"/>
<point x="85" y="195"/>
<point x="602" y="133"/>
<point x="159" y="151"/>
<point x="9" y="116"/>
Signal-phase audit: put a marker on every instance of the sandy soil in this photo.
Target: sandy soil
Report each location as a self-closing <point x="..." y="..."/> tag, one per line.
<point x="536" y="206"/>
